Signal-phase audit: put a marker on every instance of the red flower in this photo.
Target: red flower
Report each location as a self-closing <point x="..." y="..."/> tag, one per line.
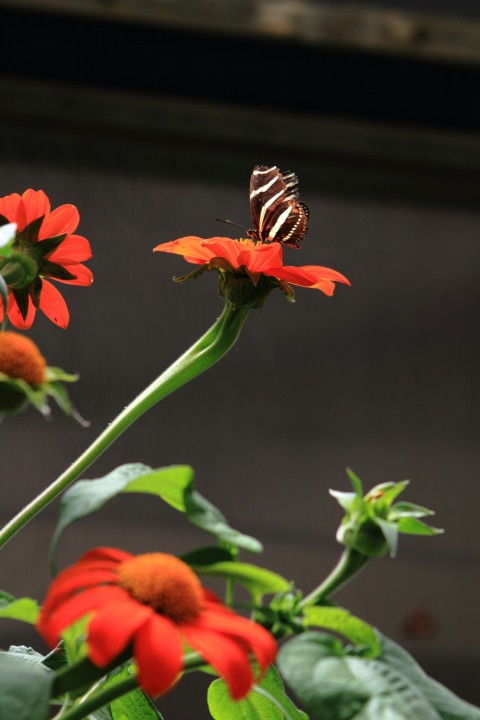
<point x="261" y="263"/>
<point x="153" y="602"/>
<point x="44" y="245"/>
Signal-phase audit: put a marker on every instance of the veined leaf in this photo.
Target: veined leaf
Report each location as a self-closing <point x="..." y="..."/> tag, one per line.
<point x="24" y="688"/>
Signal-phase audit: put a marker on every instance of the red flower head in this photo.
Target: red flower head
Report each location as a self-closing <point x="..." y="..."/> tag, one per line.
<point x="249" y="270"/>
<point x="44" y="247"/>
<point x="153" y="602"/>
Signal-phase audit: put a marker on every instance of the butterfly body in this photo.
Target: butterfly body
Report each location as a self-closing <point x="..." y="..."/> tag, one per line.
<point x="277" y="214"/>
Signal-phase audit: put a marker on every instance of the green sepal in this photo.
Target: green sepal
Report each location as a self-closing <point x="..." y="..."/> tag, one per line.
<point x="258" y="581"/>
<point x="42" y="248"/>
<point x="267" y="700"/>
<point x="24" y="609"/>
<point x="24" y="688"/>
<point x="356" y="482"/>
<point x="54" y="270"/>
<point x="29" y="234"/>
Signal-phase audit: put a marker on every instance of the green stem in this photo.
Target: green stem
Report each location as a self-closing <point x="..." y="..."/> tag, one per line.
<point x="99" y="700"/>
<point x="204" y="353"/>
<point x="191" y="661"/>
<point x="350" y="564"/>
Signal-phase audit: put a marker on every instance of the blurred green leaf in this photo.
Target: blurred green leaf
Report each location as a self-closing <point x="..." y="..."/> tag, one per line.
<point x="258" y="581"/>
<point x="25" y="609"/>
<point x="24" y="688"/>
<point x="266" y="701"/>
<point x="341" y="621"/>
<point x="173" y="484"/>
<point x="345" y="687"/>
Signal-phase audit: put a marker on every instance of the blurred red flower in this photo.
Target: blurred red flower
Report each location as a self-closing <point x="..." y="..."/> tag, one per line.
<point x="154" y="602"/>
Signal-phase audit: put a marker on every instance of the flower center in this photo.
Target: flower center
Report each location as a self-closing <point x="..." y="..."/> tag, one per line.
<point x="165" y="583"/>
<point x="20" y="358"/>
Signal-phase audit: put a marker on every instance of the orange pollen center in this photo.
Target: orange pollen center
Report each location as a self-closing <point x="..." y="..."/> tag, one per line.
<point x="165" y="583"/>
<point x="20" y="358"/>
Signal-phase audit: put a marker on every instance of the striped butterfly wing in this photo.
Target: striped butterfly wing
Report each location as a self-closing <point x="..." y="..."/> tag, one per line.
<point x="277" y="214"/>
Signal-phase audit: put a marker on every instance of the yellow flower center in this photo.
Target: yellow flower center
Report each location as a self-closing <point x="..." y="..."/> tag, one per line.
<point x="20" y="358"/>
<point x="165" y="583"/>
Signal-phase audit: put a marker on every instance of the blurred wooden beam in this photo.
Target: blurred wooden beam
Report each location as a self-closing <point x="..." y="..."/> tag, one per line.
<point x="396" y="32"/>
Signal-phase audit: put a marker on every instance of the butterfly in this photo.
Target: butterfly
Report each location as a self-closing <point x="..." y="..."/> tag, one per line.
<point x="277" y="214"/>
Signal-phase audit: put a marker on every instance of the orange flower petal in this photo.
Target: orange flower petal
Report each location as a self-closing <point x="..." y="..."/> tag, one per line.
<point x="112" y="628"/>
<point x="260" y="258"/>
<point x="53" y="305"/>
<point x="73" y="249"/>
<point x="158" y="654"/>
<point x="106" y="553"/>
<point x="68" y="583"/>
<point x="83" y="275"/>
<point x="312" y="276"/>
<point x="226" y="655"/>
<point x="9" y="206"/>
<point x="51" y="626"/>
<point x="34" y="204"/>
<point x="15" y="316"/>
<point x="192" y="248"/>
<point x="63" y="219"/>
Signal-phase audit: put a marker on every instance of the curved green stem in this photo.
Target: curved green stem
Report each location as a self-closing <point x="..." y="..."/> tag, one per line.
<point x="350" y="564"/>
<point x="204" y="353"/>
<point x="191" y="661"/>
<point x="100" y="699"/>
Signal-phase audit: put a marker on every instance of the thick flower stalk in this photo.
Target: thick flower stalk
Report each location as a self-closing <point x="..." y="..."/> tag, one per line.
<point x="250" y="270"/>
<point x="45" y="246"/>
<point x="155" y="604"/>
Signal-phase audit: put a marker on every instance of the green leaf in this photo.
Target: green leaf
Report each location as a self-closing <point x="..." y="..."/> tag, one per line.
<point x="412" y="526"/>
<point x="266" y="701"/>
<point x="258" y="581"/>
<point x="25" y="609"/>
<point x="172" y="484"/>
<point x="341" y="621"/>
<point x="56" y="373"/>
<point x="24" y="689"/>
<point x="448" y="705"/>
<point x="334" y="687"/>
<point x="202" y="513"/>
<point x="88" y="496"/>
<point x="135" y="705"/>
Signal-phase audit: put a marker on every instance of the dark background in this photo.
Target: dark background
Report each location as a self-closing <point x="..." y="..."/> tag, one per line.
<point x="152" y="130"/>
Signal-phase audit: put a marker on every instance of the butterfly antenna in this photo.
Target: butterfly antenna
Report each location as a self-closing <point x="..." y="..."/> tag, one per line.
<point x="230" y="222"/>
